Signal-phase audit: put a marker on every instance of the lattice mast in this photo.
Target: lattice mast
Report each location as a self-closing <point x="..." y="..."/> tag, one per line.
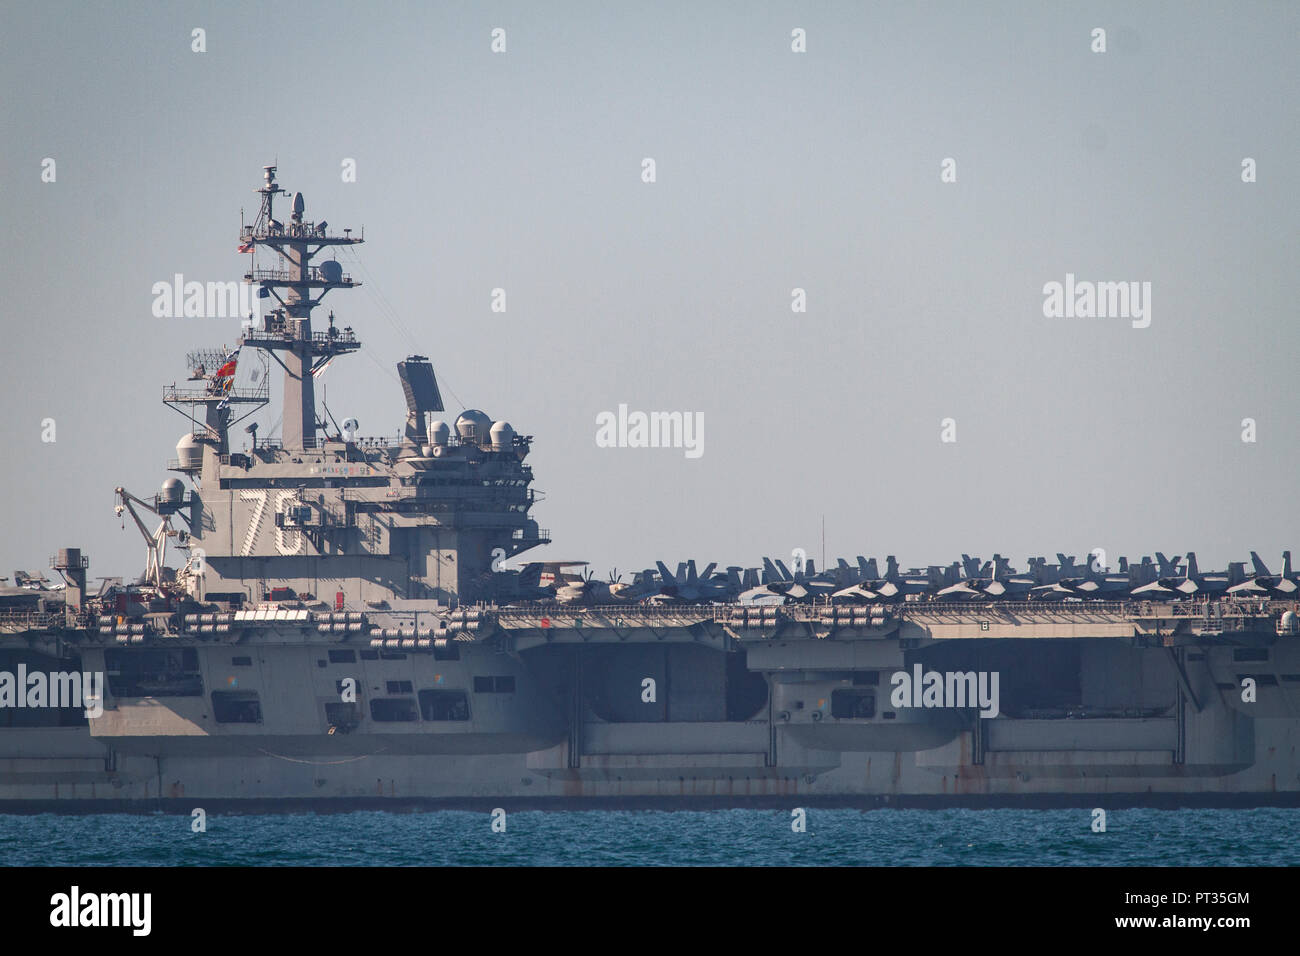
<point x="298" y="289"/>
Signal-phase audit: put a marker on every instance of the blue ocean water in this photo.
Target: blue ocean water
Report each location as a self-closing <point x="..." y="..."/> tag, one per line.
<point x="746" y="837"/>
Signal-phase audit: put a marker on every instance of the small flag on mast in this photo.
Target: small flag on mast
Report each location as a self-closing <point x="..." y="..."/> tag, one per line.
<point x="223" y="379"/>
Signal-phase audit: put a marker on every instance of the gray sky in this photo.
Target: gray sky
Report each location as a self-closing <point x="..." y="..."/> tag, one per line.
<point x="775" y="170"/>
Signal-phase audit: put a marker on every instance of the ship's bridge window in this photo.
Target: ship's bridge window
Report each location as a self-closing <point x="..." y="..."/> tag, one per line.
<point x="236" y="707"/>
<point x="392" y="655"/>
<point x="240" y="660"/>
<point x="392" y="709"/>
<point x="1249" y="654"/>
<point x="400" y="687"/>
<point x="369" y="655"/>
<point x="444" y="705"/>
<point x="343" y="657"/>
<point x="852" y="704"/>
<point x="494" y="685"/>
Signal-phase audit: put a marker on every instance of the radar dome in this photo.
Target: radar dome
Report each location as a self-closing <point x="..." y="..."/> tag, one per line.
<point x="173" y="490"/>
<point x="331" y="270"/>
<point x="189" y="454"/>
<point x="474" y="426"/>
<point x="439" y="433"/>
<point x="502" y="436"/>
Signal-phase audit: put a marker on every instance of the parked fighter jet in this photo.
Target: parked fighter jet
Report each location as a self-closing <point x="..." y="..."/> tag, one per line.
<point x="915" y="581"/>
<point x="686" y="585"/>
<point x="1264" y="583"/>
<point x="987" y="581"/>
<point x="644" y="585"/>
<point x="33" y="580"/>
<point x="1166" y="585"/>
<point x="1102" y="583"/>
<point x="1210" y="584"/>
<point x="778" y="579"/>
<point x="1057" y="581"/>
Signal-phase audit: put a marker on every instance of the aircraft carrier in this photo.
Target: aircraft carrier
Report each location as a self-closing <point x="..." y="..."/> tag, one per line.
<point x="333" y="620"/>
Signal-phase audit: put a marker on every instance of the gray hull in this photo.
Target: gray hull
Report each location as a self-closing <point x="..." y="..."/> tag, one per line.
<point x="561" y="716"/>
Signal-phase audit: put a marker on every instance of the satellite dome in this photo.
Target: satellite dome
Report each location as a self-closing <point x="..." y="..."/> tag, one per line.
<point x="438" y="433"/>
<point x="189" y="454"/>
<point x="502" y="436"/>
<point x="474" y="426"/>
<point x="331" y="270"/>
<point x="173" y="490"/>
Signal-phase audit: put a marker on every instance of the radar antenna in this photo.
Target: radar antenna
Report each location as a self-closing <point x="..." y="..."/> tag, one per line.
<point x="299" y="287"/>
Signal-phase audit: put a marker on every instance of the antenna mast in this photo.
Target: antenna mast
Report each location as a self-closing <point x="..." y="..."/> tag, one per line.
<point x="299" y="289"/>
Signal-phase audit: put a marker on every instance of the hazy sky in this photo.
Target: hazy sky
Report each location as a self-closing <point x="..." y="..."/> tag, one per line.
<point x="775" y="170"/>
